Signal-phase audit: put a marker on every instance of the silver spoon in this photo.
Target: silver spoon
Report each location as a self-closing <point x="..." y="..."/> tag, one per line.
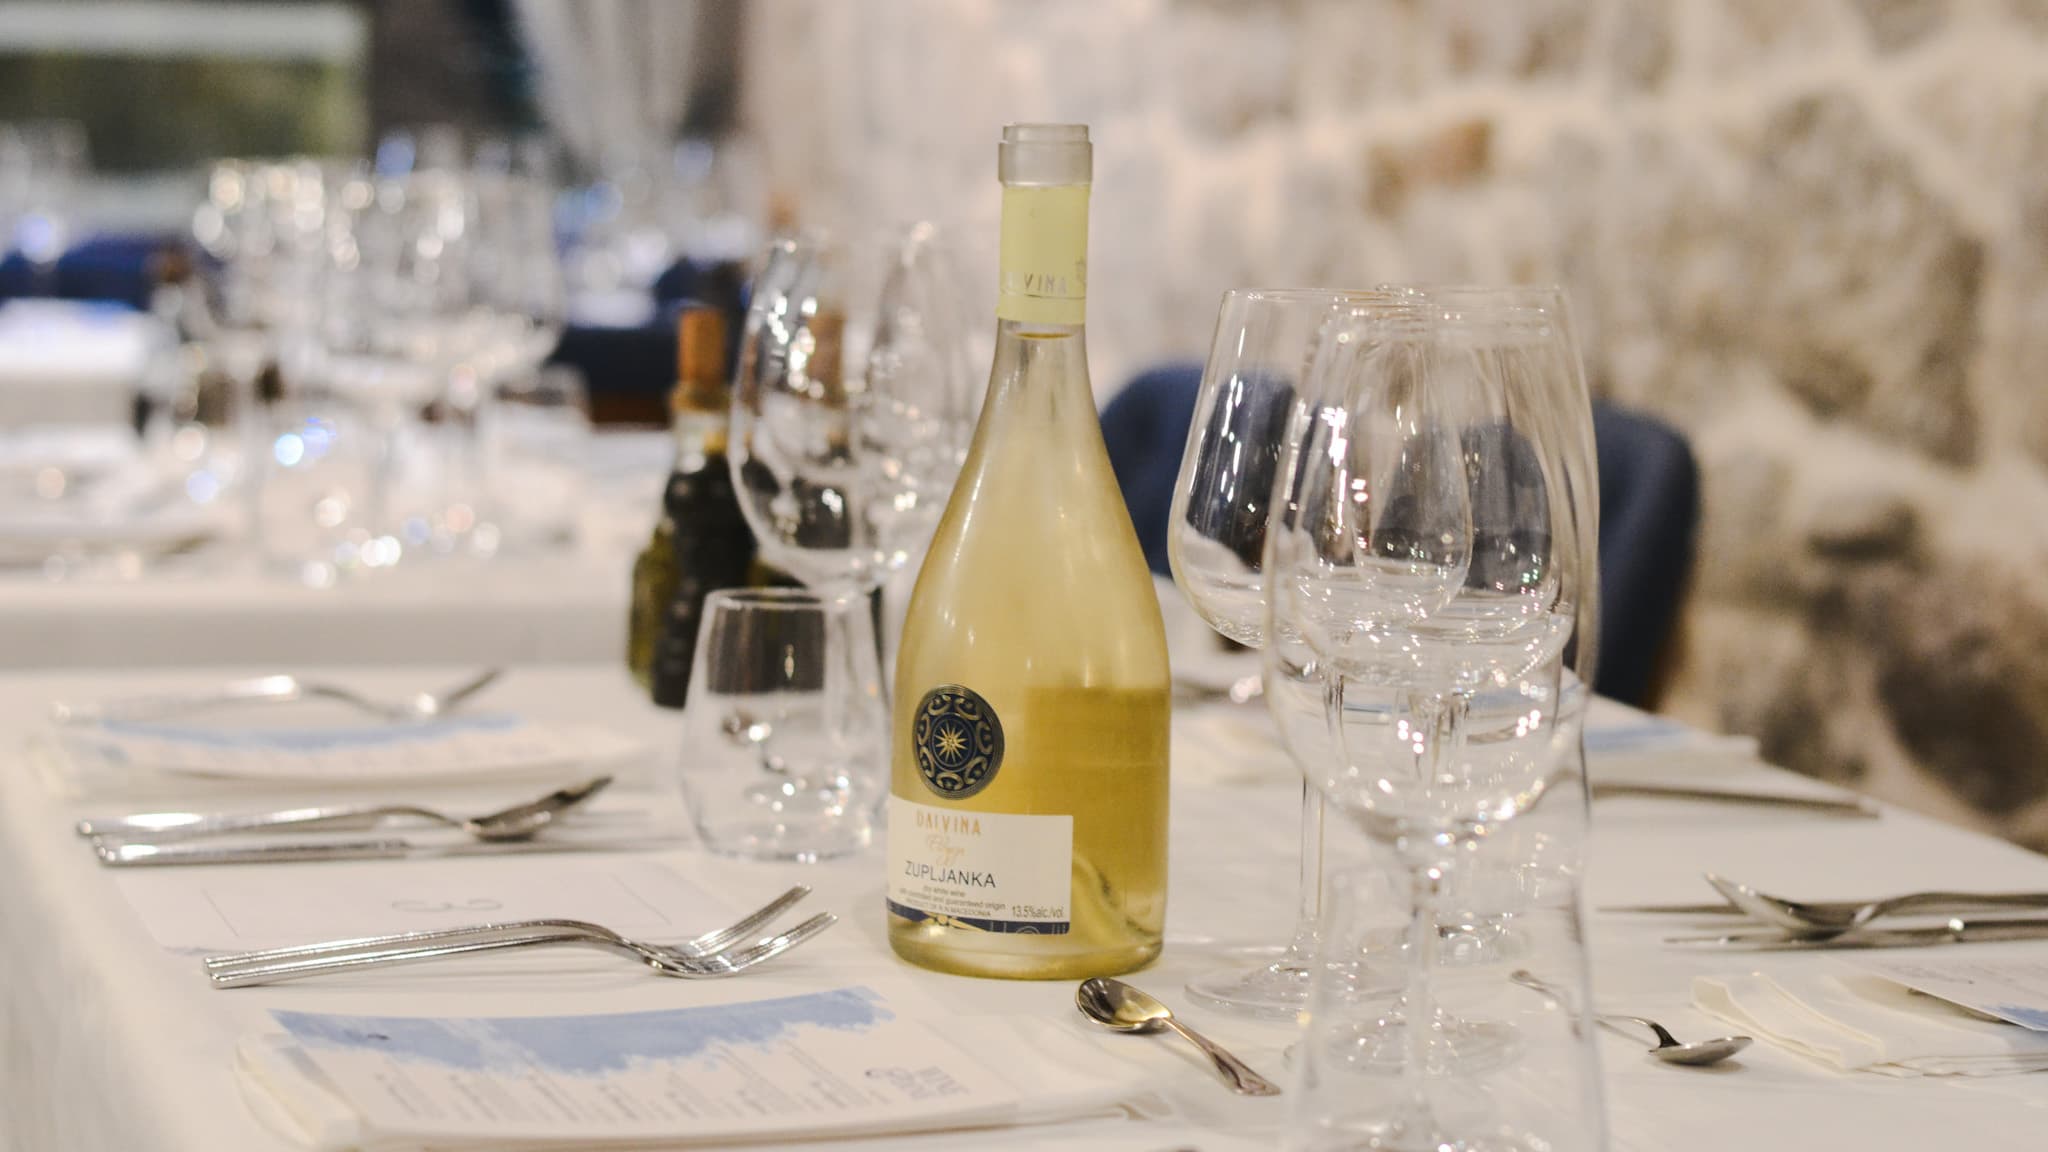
<point x="1814" y="921"/>
<point x="1669" y="1049"/>
<point x="522" y="821"/>
<point x="1119" y="1007"/>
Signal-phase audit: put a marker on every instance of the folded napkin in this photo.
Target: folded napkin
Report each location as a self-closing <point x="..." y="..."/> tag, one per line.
<point x="837" y="1063"/>
<point x="1856" y="1021"/>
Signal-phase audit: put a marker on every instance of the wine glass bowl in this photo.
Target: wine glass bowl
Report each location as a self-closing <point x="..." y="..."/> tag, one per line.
<point x="852" y="409"/>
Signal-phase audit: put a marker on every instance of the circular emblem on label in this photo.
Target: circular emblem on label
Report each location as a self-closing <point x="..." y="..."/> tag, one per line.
<point x="959" y="741"/>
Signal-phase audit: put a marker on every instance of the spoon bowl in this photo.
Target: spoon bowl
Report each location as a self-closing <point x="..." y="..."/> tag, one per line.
<point x="525" y="821"/>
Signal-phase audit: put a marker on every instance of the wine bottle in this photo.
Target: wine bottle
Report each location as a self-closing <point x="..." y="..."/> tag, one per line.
<point x="702" y="542"/>
<point x="1028" y="787"/>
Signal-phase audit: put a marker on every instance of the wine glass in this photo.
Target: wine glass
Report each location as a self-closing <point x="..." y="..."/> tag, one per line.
<point x="852" y="409"/>
<point x="1252" y="387"/>
<point x="1426" y="549"/>
<point x="403" y="334"/>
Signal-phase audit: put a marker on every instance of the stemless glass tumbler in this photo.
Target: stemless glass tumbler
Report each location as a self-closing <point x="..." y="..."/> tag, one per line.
<point x="784" y="728"/>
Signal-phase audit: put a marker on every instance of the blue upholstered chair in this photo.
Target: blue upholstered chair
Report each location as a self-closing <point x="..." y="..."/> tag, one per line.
<point x="1649" y="512"/>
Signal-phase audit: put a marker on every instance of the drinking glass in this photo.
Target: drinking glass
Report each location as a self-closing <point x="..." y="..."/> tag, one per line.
<point x="1512" y="920"/>
<point x="401" y="333"/>
<point x="313" y="488"/>
<point x="852" y="408"/>
<point x="46" y="162"/>
<point x="784" y="726"/>
<point x="536" y="440"/>
<point x="1239" y="440"/>
<point x="1425" y="546"/>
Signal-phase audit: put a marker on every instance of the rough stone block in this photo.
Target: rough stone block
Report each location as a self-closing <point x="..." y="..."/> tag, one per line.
<point x="1860" y="270"/>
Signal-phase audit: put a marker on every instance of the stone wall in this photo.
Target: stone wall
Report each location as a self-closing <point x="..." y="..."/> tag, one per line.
<point x="1812" y="233"/>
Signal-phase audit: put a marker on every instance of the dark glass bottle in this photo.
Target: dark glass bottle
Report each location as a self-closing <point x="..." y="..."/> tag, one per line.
<point x="702" y="542"/>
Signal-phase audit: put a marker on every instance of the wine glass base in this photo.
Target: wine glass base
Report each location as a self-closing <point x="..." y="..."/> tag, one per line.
<point x="1275" y="991"/>
<point x="1398" y="1137"/>
<point x="1456" y="1047"/>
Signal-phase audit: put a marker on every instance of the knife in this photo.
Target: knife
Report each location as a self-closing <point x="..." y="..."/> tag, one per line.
<point x="340" y="819"/>
<point x="1957" y="931"/>
<point x="1837" y="805"/>
<point x="134" y="855"/>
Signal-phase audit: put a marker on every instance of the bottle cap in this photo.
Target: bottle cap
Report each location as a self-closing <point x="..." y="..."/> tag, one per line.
<point x="700" y="358"/>
<point x="1045" y="154"/>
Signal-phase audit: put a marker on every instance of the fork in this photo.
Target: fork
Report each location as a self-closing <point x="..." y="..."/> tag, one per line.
<point x="665" y="961"/>
<point x="714" y="941"/>
<point x="1821" y="921"/>
<point x="274" y="690"/>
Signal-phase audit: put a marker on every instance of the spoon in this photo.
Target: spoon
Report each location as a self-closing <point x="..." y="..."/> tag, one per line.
<point x="522" y="821"/>
<point x="1121" y="1008"/>
<point x="1814" y="921"/>
<point x="1669" y="1049"/>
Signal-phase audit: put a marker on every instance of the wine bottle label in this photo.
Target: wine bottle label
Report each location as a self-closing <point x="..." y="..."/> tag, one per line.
<point x="1044" y="258"/>
<point x="959" y="741"/>
<point x="992" y="871"/>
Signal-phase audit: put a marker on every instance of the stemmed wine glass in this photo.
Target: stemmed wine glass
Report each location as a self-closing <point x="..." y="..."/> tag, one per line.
<point x="1252" y="386"/>
<point x="852" y="408"/>
<point x="1426" y="548"/>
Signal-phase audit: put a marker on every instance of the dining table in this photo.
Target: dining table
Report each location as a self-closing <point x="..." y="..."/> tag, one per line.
<point x="109" y="1040"/>
<point x="219" y="603"/>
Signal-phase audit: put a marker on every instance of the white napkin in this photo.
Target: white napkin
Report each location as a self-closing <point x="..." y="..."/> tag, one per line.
<point x="1860" y="1022"/>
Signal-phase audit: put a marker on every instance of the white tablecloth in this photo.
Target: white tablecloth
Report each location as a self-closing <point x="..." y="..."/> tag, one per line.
<point x="567" y="608"/>
<point x="107" y="1042"/>
<point x="219" y="607"/>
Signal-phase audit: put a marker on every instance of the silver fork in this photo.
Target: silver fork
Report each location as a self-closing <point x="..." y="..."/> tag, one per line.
<point x="664" y="961"/>
<point x="1813" y="920"/>
<point x="274" y="690"/>
<point x="714" y="941"/>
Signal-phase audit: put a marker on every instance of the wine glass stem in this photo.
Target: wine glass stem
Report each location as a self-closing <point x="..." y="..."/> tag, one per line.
<point x="1419" y="1000"/>
<point x="1308" y="918"/>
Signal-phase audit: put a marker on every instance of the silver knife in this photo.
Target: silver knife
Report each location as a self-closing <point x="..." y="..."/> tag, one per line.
<point x="132" y="855"/>
<point x="338" y="819"/>
<point x="1840" y="806"/>
<point x="1956" y="931"/>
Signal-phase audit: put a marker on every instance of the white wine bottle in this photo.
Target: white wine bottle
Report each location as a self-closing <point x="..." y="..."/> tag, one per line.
<point x="1028" y="790"/>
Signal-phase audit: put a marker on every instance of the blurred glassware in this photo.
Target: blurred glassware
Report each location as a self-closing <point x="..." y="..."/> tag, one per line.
<point x="1216" y="535"/>
<point x="1424" y="544"/>
<point x="852" y="407"/>
<point x="315" y="488"/>
<point x="246" y="317"/>
<point x="42" y="163"/>
<point x="783" y="735"/>
<point x="401" y="333"/>
<point x="517" y="273"/>
<point x="537" y="438"/>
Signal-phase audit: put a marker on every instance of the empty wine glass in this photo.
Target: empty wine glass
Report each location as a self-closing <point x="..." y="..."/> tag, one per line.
<point x="1425" y="547"/>
<point x="843" y="473"/>
<point x="1252" y="386"/>
<point x="402" y="333"/>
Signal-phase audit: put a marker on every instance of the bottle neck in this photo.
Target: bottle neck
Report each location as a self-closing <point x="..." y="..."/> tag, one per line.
<point x="699" y="432"/>
<point x="1043" y="277"/>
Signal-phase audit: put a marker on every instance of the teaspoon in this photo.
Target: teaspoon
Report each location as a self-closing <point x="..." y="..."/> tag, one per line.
<point x="1118" y="1006"/>
<point x="1669" y="1049"/>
